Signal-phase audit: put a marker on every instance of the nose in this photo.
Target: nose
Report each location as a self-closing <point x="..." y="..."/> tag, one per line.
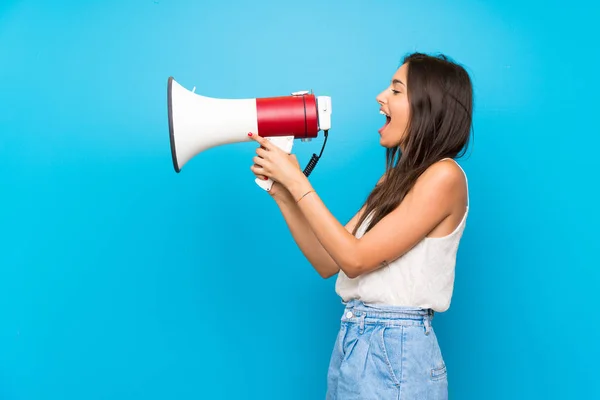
<point x="381" y="98"/>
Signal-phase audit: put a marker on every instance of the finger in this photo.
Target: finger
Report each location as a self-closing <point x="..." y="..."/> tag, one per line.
<point x="261" y="140"/>
<point x="261" y="151"/>
<point x="258" y="161"/>
<point x="260" y="176"/>
<point x="258" y="172"/>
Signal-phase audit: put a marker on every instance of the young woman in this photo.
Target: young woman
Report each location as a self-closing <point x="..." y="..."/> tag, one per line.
<point x="395" y="258"/>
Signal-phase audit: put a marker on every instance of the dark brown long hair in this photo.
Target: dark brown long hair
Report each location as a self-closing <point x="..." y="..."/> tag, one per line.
<point x="440" y="95"/>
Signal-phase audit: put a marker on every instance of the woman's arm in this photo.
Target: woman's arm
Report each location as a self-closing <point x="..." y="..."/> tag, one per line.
<point x="433" y="198"/>
<point x="429" y="202"/>
<point x="304" y="236"/>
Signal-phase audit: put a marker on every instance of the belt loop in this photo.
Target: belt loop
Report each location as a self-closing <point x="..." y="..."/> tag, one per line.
<point x="427" y="322"/>
<point x="362" y="322"/>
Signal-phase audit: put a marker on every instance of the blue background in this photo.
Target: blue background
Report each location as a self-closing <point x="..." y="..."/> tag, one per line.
<point x="120" y="279"/>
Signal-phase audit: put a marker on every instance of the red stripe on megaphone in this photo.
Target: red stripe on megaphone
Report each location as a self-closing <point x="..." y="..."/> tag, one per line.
<point x="287" y="116"/>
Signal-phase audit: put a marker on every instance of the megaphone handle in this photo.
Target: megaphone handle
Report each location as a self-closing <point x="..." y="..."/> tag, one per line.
<point x="285" y="143"/>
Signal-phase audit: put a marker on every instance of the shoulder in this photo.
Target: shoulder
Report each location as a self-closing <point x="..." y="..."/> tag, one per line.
<point x="444" y="172"/>
<point x="443" y="182"/>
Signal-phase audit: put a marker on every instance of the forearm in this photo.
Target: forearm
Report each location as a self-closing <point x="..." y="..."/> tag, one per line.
<point x="336" y="241"/>
<point x="305" y="238"/>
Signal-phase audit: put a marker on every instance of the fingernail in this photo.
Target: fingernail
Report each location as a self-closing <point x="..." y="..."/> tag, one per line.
<point x="265" y="178"/>
<point x="249" y="133"/>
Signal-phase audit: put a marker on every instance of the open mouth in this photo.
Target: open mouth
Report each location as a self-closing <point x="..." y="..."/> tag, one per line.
<point x="387" y="120"/>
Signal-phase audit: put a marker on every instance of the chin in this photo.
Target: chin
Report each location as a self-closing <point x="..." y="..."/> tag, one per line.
<point x="387" y="143"/>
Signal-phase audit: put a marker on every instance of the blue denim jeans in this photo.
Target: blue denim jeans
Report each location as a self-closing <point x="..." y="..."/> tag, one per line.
<point x="384" y="352"/>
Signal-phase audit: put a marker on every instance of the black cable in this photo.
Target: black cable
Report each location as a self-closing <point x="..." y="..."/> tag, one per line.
<point x="315" y="158"/>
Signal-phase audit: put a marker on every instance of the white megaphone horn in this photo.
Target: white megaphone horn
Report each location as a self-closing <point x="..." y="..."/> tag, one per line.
<point x="197" y="123"/>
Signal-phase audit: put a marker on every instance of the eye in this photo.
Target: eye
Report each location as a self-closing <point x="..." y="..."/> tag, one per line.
<point x="394" y="91"/>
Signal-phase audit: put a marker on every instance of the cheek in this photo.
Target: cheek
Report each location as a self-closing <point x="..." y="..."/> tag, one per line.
<point x="400" y="114"/>
<point x="400" y="122"/>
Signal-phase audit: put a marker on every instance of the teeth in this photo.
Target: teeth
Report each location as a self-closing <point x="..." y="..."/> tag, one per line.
<point x="382" y="113"/>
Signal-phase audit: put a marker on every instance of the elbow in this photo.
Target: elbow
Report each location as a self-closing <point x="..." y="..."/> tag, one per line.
<point x="353" y="264"/>
<point x="353" y="268"/>
<point x="352" y="273"/>
<point x="356" y="266"/>
<point x="327" y="275"/>
<point x="328" y="272"/>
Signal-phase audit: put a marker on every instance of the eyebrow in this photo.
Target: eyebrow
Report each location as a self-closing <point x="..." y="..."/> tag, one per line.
<point x="398" y="81"/>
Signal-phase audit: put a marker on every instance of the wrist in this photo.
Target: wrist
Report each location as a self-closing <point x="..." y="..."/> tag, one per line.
<point x="299" y="186"/>
<point x="282" y="195"/>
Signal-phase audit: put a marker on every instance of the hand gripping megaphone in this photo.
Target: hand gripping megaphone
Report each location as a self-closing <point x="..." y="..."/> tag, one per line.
<point x="197" y="123"/>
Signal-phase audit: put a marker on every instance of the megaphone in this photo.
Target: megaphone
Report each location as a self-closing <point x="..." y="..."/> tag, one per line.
<point x="197" y="123"/>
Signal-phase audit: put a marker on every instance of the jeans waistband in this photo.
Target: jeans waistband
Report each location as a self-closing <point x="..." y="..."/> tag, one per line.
<point x="367" y="314"/>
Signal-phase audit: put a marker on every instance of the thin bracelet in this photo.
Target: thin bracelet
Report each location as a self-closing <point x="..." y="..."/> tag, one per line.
<point x="304" y="195"/>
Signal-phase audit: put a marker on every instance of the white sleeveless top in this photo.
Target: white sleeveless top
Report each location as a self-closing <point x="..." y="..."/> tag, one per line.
<point x="423" y="277"/>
